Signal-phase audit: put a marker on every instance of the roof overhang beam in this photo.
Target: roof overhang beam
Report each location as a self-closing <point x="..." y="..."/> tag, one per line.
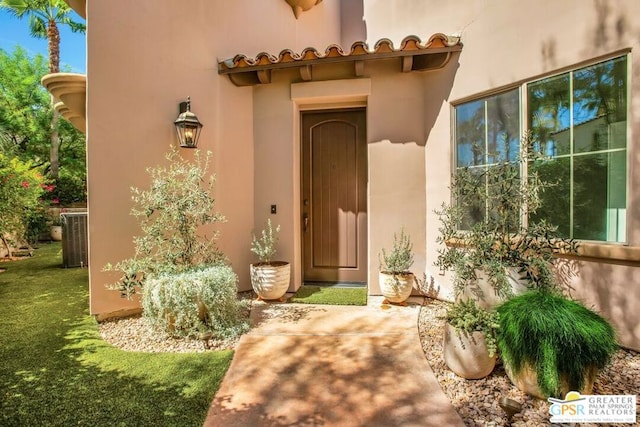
<point x="412" y="56"/>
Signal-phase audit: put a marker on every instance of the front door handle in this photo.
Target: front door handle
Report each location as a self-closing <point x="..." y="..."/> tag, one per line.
<point x="305" y="221"/>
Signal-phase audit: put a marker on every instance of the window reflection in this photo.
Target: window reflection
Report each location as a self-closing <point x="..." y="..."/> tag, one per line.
<point x="588" y="200"/>
<point x="578" y="120"/>
<point x="600" y="106"/>
<point x="470" y="133"/>
<point x="487" y="133"/>
<point x="503" y="127"/>
<point x="600" y="196"/>
<point x="549" y="114"/>
<point x="556" y="199"/>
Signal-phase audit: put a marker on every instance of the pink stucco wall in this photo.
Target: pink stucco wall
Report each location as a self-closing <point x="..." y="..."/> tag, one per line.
<point x="505" y="43"/>
<point x="144" y="59"/>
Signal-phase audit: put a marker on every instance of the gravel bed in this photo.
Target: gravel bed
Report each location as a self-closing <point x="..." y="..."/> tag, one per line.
<point x="477" y="400"/>
<point x="135" y="334"/>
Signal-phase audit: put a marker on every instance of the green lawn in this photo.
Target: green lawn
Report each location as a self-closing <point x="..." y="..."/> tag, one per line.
<point x="55" y="370"/>
<point x="309" y="294"/>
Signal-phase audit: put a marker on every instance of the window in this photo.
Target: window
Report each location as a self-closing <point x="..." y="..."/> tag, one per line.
<point x="579" y="120"/>
<point x="487" y="133"/>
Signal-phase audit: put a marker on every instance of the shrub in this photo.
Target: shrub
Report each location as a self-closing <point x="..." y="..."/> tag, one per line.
<point x="265" y="246"/>
<point x="69" y="189"/>
<point x="194" y="301"/>
<point x="20" y="190"/>
<point x="400" y="259"/>
<point x="556" y="337"/>
<point x="37" y="223"/>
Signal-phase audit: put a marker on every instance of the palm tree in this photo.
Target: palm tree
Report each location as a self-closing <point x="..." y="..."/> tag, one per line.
<point x="44" y="17"/>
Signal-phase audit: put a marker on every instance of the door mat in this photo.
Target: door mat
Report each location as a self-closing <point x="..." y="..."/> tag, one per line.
<point x="309" y="294"/>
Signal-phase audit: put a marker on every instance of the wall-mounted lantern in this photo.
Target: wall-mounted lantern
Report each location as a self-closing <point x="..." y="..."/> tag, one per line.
<point x="187" y="126"/>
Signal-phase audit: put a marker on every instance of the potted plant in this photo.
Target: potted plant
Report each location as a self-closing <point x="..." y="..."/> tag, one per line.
<point x="469" y="347"/>
<point x="269" y="279"/>
<point x="494" y="254"/>
<point x="396" y="281"/>
<point x="55" y="230"/>
<point x="551" y="345"/>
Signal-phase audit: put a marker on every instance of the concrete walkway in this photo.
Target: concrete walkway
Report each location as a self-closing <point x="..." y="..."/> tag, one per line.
<point x="320" y="365"/>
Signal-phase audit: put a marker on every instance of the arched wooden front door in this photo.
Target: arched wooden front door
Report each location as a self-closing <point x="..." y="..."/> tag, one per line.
<point x="334" y="196"/>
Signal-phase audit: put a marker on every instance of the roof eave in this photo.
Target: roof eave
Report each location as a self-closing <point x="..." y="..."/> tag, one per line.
<point x="413" y="55"/>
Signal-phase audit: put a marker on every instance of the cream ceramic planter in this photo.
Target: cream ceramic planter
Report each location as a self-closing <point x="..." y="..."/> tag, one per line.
<point x="467" y="357"/>
<point x="56" y="232"/>
<point x="527" y="380"/>
<point x="396" y="288"/>
<point x="486" y="296"/>
<point x="270" y="281"/>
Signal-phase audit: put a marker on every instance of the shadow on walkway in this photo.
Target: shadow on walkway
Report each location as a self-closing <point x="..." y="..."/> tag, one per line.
<point x="311" y="365"/>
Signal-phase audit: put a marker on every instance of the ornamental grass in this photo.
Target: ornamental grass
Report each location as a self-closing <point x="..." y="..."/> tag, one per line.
<point x="559" y="338"/>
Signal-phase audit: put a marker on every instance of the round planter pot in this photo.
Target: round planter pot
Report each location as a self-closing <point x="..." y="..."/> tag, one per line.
<point x="56" y="232"/>
<point x="527" y="380"/>
<point x="270" y="281"/>
<point x="483" y="292"/>
<point x="396" y="288"/>
<point x="467" y="357"/>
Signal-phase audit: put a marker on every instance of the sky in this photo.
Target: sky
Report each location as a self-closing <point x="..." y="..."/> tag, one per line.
<point x="15" y="31"/>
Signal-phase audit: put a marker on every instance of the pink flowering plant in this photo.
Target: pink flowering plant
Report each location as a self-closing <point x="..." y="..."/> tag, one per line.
<point x="20" y="192"/>
<point x="65" y="190"/>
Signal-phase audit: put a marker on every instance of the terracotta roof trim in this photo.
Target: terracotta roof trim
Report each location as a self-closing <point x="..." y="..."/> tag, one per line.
<point x="410" y="45"/>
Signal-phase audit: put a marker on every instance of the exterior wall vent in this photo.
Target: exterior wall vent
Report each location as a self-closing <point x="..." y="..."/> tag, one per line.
<point x="74" y="239"/>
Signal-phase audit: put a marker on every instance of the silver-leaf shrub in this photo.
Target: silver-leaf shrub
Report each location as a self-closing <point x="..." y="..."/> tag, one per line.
<point x="194" y="301"/>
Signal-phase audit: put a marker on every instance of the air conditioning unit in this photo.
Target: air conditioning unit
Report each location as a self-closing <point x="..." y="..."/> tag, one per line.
<point x="74" y="239"/>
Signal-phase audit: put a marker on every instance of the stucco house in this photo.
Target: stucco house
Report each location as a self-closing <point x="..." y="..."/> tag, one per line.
<point x="347" y="118"/>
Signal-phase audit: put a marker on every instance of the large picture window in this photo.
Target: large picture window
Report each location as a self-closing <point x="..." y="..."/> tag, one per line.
<point x="579" y="120"/>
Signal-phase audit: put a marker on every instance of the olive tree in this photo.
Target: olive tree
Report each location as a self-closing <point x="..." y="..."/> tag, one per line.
<point x="171" y="214"/>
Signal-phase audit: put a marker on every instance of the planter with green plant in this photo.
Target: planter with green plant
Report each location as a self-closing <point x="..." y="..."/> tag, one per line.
<point x="55" y="230"/>
<point x="551" y="345"/>
<point x="495" y="253"/>
<point x="269" y="279"/>
<point x="396" y="281"/>
<point x="469" y="347"/>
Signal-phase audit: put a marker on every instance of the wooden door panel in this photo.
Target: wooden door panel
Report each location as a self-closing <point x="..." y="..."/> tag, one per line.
<point x="334" y="196"/>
